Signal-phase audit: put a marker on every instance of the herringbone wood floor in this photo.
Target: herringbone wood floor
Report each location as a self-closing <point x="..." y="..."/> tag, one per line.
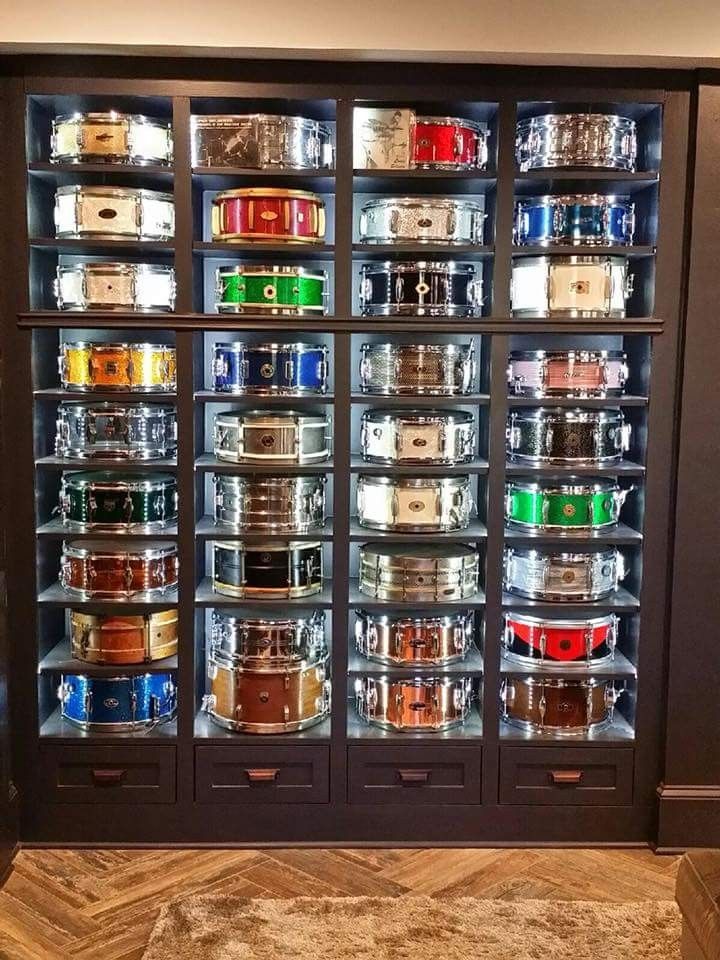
<point x="90" y="904"/>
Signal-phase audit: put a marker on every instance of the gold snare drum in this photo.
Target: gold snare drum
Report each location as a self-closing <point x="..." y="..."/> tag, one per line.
<point x="117" y="366"/>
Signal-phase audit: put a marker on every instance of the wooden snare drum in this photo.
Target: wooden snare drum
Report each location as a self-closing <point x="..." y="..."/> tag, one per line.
<point x="145" y="367"/>
<point x="108" y="638"/>
<point x="268" y="214"/>
<point x="567" y="373"/>
<point x="109" y="570"/>
<point x="565" y="708"/>
<point x="417" y="703"/>
<point x="419" y="641"/>
<point x="111" y="137"/>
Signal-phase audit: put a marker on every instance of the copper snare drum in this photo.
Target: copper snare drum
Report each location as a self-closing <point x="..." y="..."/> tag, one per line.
<point x="112" y="570"/>
<point x="564" y="708"/>
<point x="414" y="704"/>
<point x="435" y="640"/>
<point x="113" y="638"/>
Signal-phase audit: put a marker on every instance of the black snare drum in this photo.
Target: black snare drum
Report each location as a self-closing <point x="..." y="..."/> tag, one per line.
<point x="572" y="436"/>
<point x="267" y="570"/>
<point x="421" y="289"/>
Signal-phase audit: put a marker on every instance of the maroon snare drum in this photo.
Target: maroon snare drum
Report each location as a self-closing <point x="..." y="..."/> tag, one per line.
<point x="268" y="214"/>
<point x="449" y="143"/>
<point x="565" y="642"/>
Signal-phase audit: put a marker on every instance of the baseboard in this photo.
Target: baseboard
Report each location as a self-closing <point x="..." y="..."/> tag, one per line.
<point x="7" y="862"/>
<point x="689" y="816"/>
<point x="336" y="845"/>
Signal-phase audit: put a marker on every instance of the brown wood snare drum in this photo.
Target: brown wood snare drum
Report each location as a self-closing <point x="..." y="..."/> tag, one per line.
<point x="107" y="569"/>
<point x="563" y="707"/>
<point x="98" y="638"/>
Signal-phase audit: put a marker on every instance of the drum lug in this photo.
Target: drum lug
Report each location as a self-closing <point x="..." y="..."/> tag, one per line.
<point x="208" y="703"/>
<point x="612" y="635"/>
<point x="624" y="436"/>
<point x="87" y="707"/>
<point x="628" y="223"/>
<point x="365" y="370"/>
<point x="557" y="220"/>
<point x="621" y="570"/>
<point x="323" y="369"/>
<point x="628" y="285"/>
<point x="549" y="437"/>
<point x="588" y="643"/>
<point x="508" y="634"/>
<point x="542" y="708"/>
<point x="545" y="508"/>
<point x="286" y="714"/>
<point x="326" y="697"/>
<point x="506" y="694"/>
<point x="290" y="373"/>
<point x="244" y="371"/>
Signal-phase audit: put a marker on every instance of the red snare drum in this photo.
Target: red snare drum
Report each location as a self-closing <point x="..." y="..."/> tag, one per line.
<point x="268" y="214"/>
<point x="449" y="143"/>
<point x="567" y="642"/>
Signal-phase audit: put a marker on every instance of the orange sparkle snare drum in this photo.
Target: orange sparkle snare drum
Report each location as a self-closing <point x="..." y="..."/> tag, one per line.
<point x="108" y="638"/>
<point x="268" y="214"/>
<point x="117" y="366"/>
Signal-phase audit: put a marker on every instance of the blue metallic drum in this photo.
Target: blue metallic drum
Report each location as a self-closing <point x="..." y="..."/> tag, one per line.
<point x="117" y="704"/>
<point x="289" y="369"/>
<point x="588" y="219"/>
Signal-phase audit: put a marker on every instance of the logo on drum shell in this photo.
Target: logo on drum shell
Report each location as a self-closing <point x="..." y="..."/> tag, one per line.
<point x="580" y="287"/>
<point x="568" y="576"/>
<point x="111" y="703"/>
<point x="267" y="370"/>
<point x="569" y="510"/>
<point x="269" y="292"/>
<point x="416" y="506"/>
<point x="267" y="440"/>
<point x="419" y="442"/>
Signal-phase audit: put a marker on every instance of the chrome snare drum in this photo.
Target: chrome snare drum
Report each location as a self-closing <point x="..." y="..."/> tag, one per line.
<point x="260" y="141"/>
<point x="113" y="213"/>
<point x="138" y="287"/>
<point x="272" y="570"/>
<point x="146" y="367"/>
<point x="270" y="504"/>
<point x="257" y="641"/>
<point x="447" y="369"/>
<point x="107" y="500"/>
<point x="112" y="570"/>
<point x="111" y="431"/>
<point x="291" y="369"/>
<point x="574" y="286"/>
<point x="420" y="289"/>
<point x="417" y="504"/>
<point x="603" y="141"/>
<point x="562" y="644"/>
<point x="418" y="572"/>
<point x="418" y="641"/>
<point x="258" y="436"/>
<point x="110" y="138"/>
<point x="567" y="373"/>
<point x="547" y="574"/>
<point x="567" y="436"/>
<point x="417" y="436"/>
<point x="422" y="220"/>
<point x="591" y="219"/>
<point x="417" y="703"/>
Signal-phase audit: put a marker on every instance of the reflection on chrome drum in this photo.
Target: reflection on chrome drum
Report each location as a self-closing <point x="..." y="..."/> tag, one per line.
<point x="544" y="573"/>
<point x="260" y="141"/>
<point x="563" y="707"/>
<point x="567" y="436"/>
<point x="576" y="140"/>
<point x="418" y="572"/>
<point x="591" y="219"/>
<point x="267" y="640"/>
<point x="259" y="436"/>
<point x="575" y="286"/>
<point x="567" y="373"/>
<point x="110" y="137"/>
<point x="113" y="431"/>
<point x="420" y="289"/>
<point x="421" y="641"/>
<point x="270" y="504"/>
<point x="428" y="704"/>
<point x="431" y="504"/>
<point x="417" y="369"/>
<point x="267" y="570"/>
<point x="134" y="287"/>
<point x="422" y="220"/>
<point x="560" y="643"/>
<point x="417" y="436"/>
<point x="113" y="213"/>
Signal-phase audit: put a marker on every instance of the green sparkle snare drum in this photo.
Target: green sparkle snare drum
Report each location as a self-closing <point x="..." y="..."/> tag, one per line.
<point x="107" y="500"/>
<point x="274" y="290"/>
<point x="575" y="506"/>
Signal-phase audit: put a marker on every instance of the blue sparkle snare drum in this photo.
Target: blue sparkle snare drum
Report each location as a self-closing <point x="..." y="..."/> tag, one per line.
<point x="117" y="704"/>
<point x="292" y="369"/>
<point x="584" y="218"/>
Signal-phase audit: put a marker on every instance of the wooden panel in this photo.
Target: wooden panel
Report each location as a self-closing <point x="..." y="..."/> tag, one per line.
<point x="566" y="776"/>
<point x="262" y="774"/>
<point x="409" y="774"/>
<point x="106" y="774"/>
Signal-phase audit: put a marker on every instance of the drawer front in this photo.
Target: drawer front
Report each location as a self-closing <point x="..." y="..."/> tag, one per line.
<point x="109" y="774"/>
<point x="566" y="775"/>
<point x="262" y="774"/>
<point x="409" y="774"/>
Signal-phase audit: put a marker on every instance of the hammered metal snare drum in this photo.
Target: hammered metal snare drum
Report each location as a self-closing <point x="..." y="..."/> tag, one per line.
<point x="270" y="504"/>
<point x="267" y="570"/>
<point x="111" y="431"/>
<point x="113" y="213"/>
<point x="590" y="219"/>
<point x="572" y="506"/>
<point x="567" y="436"/>
<point x="420" y="289"/>
<point x="260" y="141"/>
<point x="414" y="504"/>
<point x="419" y="641"/>
<point x="265" y="437"/>
<point x="602" y="141"/>
<point x="418" y="572"/>
<point x="417" y="436"/>
<point x="416" y="369"/>
<point x="574" y="286"/>
<point x="111" y="137"/>
<point x="445" y="220"/>
<point x="549" y="574"/>
<point x="110" y="638"/>
<point x="564" y="708"/>
<point x="383" y="138"/>
<point x="129" y="287"/>
<point x="118" y="502"/>
<point x="290" y="369"/>
<point x="567" y="373"/>
<point x="271" y="290"/>
<point x="117" y="704"/>
<point x="268" y="214"/>
<point x="560" y="644"/>
<point x="112" y="570"/>
<point x="256" y="641"/>
<point x="450" y="143"/>
<point x="145" y="367"/>
<point x="414" y="704"/>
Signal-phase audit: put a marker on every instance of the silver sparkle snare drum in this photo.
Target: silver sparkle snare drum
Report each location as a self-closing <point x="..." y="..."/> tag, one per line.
<point x="417" y="436"/>
<point x="567" y="373"/>
<point x="420" y="289"/>
<point x="416" y="703"/>
<point x="259" y="436"/>
<point x="415" y="504"/>
<point x="110" y="137"/>
<point x="260" y="141"/>
<point x="270" y="504"/>
<point x="574" y="286"/>
<point x="113" y="213"/>
<point x="383" y="138"/>
<point x="418" y="572"/>
<point x="114" y="431"/>
<point x="393" y="369"/>
<point x="603" y="141"/>
<point x="567" y="436"/>
<point x="547" y="574"/>
<point x="419" y="641"/>
<point x="422" y="220"/>
<point x="138" y="287"/>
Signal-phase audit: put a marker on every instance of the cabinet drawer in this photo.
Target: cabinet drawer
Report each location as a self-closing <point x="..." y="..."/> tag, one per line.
<point x="566" y="775"/>
<point x="262" y="774"/>
<point x="108" y="774"/>
<point x="409" y="774"/>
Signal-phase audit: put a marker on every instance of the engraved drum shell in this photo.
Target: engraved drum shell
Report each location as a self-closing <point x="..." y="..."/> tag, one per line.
<point x="414" y="504"/>
<point x="573" y="506"/>
<point x="113" y="213"/>
<point x="111" y="501"/>
<point x="265" y="437"/>
<point x="441" y="369"/>
<point x="117" y="704"/>
<point x="420" y="289"/>
<point x="418" y="572"/>
<point x="270" y="504"/>
<point x="446" y="220"/>
<point x="562" y="644"/>
<point x="417" y="436"/>
<point x="260" y="141"/>
<point x="572" y="287"/>
<point x="567" y="373"/>
<point x="544" y="573"/>
<point x="434" y="640"/>
<point x="567" y="436"/>
<point x="272" y="570"/>
<point x="146" y="367"/>
<point x="114" y="570"/>
<point x="416" y="703"/>
<point x="110" y="431"/>
<point x="111" y="638"/>
<point x="111" y="137"/>
<point x="563" y="707"/>
<point x="268" y="214"/>
<point x="133" y="287"/>
<point x="602" y="141"/>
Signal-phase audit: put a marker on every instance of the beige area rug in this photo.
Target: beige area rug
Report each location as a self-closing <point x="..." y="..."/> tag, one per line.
<point x="226" y="927"/>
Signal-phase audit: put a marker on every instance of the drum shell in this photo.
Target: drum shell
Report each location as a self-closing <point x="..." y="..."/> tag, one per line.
<point x="422" y="220"/>
<point x="267" y="369"/>
<point x="571" y="706"/>
<point x="100" y="569"/>
<point x="567" y="373"/>
<point x="604" y="141"/>
<point x="568" y="507"/>
<point x="260" y="142"/>
<point x="113" y="213"/>
<point x="558" y="576"/>
<point x="134" y="287"/>
<point x="449" y="143"/>
<point x="420" y="641"/>
<point x="589" y="220"/>
<point x="272" y="290"/>
<point x="421" y="436"/>
<point x="117" y="704"/>
<point x="420" y="289"/>
<point x="110" y="138"/>
<point x="383" y="138"/>
<point x="414" y="504"/>
<point x="441" y="369"/>
<point x="271" y="438"/>
<point x="117" y="432"/>
<point x="270" y="504"/>
<point x="268" y="643"/>
<point x="574" y="286"/>
<point x="414" y="704"/>
<point x="547" y="435"/>
<point x="565" y="643"/>
<point x="294" y="569"/>
<point x="418" y="573"/>
<point x="109" y="638"/>
<point x="117" y="366"/>
<point x="268" y="214"/>
<point x="116" y="502"/>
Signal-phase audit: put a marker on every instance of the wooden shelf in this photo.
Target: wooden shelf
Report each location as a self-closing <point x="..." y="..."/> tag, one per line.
<point x="206" y="731"/>
<point x="621" y="534"/>
<point x="584" y="250"/>
<point x="109" y="396"/>
<point x="57" y="596"/>
<point x="620" y="731"/>
<point x="625" y="468"/>
<point x="594" y="403"/>
<point x="228" y="178"/>
<point x="248" y="400"/>
<point x="207" y="462"/>
<point x="622" y="601"/>
<point x="207" y="529"/>
<point x="115" y="172"/>
<point x="358" y="465"/>
<point x="421" y="251"/>
<point x="97" y="463"/>
<point x="409" y="402"/>
<point x="98" y="247"/>
<point x="254" y="250"/>
<point x="61" y="660"/>
<point x="475" y="531"/>
<point x="362" y="601"/>
<point x="205" y="596"/>
<point x="619" y="667"/>
<point x="411" y="182"/>
<point x="57" y="729"/>
<point x="359" y="730"/>
<point x="56" y="528"/>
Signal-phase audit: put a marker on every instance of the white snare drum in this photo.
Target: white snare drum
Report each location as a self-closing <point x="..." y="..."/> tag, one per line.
<point x="575" y="286"/>
<point x="420" y="641"/>
<point x="417" y="436"/>
<point x="113" y="213"/>
<point x="417" y="368"/>
<point x="414" y="503"/>
<point x="137" y="287"/>
<point x="257" y="436"/>
<point x="422" y="220"/>
<point x="567" y="373"/>
<point x="544" y="574"/>
<point x="416" y="703"/>
<point x="110" y="138"/>
<point x="576" y="140"/>
<point x="418" y="572"/>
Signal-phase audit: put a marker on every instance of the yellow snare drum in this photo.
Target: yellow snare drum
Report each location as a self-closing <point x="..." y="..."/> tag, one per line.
<point x="117" y="366"/>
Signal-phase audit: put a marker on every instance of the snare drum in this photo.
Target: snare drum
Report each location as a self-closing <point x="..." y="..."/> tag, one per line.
<point x="270" y="504"/>
<point x="590" y="219"/>
<point x="414" y="504"/>
<point x="129" y="287"/>
<point x="260" y="141"/>
<point x="450" y="143"/>
<point x="271" y="290"/>
<point x="257" y="642"/>
<point x="574" y="506"/>
<point x="416" y="703"/>
<point x="417" y="436"/>
<point x="291" y="369"/>
<point x="111" y="138"/>
<point x="603" y="141"/>
<point x="445" y="220"/>
<point x="111" y="431"/>
<point x="417" y="368"/>
<point x="418" y="641"/>
<point x="563" y="707"/>
<point x="109" y="570"/>
<point x="145" y="367"/>
<point x="113" y="213"/>
<point x="267" y="570"/>
<point x="261" y="437"/>
<point x="265" y="214"/>
<point x="418" y="572"/>
<point x="420" y="289"/>
<point x="383" y="138"/>
<point x="108" y="638"/>
<point x="120" y="502"/>
<point x="572" y="286"/>
<point x="117" y="704"/>
<point x="547" y="574"/>
<point x="567" y="436"/>
<point x="567" y="373"/>
<point x="560" y="643"/>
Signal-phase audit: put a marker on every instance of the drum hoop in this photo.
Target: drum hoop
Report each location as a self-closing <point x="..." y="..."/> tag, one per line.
<point x="424" y="203"/>
<point x="400" y="348"/>
<point x="116" y="267"/>
<point x="418" y="416"/>
<point x="120" y="192"/>
<point x="287" y="419"/>
<point x="240" y="270"/>
<point x="553" y="119"/>
<point x="576" y="490"/>
<point x="552" y="414"/>
<point x="111" y="117"/>
<point x="260" y="192"/>
<point x="416" y="483"/>
<point x="533" y="553"/>
<point x="160" y="552"/>
<point x="568" y="199"/>
<point x="573" y="260"/>
<point x="451" y="267"/>
<point x="274" y="666"/>
<point x="560" y="683"/>
<point x="266" y="546"/>
<point x="585" y="356"/>
<point x="418" y="683"/>
<point x="388" y="620"/>
<point x="474" y="125"/>
<point x="605" y="620"/>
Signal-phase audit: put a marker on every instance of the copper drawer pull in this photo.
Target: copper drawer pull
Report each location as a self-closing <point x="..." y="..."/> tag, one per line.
<point x="414" y="776"/>
<point x="108" y="778"/>
<point x="566" y="776"/>
<point x="266" y="775"/>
